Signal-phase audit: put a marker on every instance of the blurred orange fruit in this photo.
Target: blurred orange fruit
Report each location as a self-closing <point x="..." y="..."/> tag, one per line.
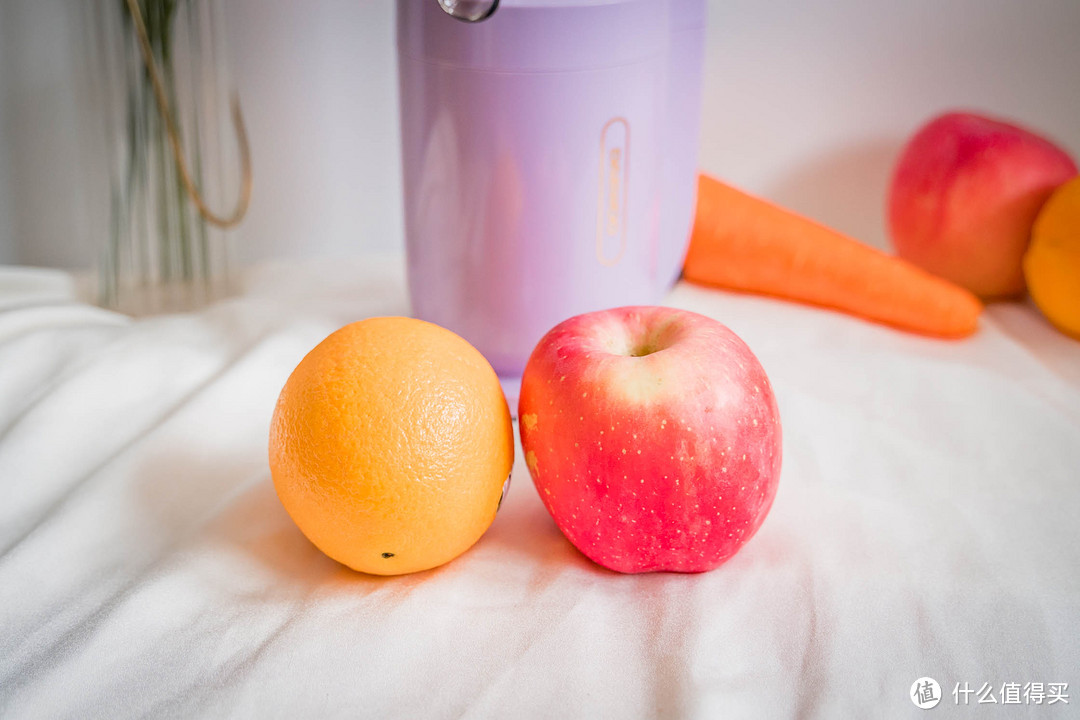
<point x="1052" y="261"/>
<point x="390" y="445"/>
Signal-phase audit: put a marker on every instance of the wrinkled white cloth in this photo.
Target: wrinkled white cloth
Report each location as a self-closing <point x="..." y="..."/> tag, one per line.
<point x="927" y="524"/>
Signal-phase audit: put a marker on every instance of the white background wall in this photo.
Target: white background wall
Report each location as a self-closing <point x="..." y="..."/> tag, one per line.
<point x="806" y="102"/>
<point x="38" y="134"/>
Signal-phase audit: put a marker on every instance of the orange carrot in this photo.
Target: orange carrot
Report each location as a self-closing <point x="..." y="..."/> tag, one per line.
<point x="744" y="243"/>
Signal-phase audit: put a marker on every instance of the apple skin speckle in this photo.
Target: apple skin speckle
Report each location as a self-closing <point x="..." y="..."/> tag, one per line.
<point x="695" y="406"/>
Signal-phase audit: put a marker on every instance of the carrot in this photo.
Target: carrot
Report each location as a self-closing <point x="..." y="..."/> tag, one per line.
<point x="744" y="243"/>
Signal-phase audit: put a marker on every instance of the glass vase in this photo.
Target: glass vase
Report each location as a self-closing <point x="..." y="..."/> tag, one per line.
<point x="157" y="251"/>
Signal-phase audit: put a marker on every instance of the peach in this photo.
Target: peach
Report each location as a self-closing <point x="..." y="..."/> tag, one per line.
<point x="964" y="196"/>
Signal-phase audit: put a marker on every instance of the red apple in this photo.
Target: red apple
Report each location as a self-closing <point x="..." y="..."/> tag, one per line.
<point x="964" y="195"/>
<point x="652" y="436"/>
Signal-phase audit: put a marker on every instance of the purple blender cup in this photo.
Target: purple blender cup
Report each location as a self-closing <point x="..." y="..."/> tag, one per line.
<point x="534" y="137"/>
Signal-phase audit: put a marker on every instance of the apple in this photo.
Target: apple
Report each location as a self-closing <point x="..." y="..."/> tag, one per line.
<point x="964" y="195"/>
<point x="652" y="436"/>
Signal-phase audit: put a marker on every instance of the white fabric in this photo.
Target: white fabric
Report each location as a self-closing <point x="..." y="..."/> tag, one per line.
<point x="926" y="525"/>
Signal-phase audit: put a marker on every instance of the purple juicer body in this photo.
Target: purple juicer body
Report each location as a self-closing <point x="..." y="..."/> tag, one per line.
<point x="549" y="162"/>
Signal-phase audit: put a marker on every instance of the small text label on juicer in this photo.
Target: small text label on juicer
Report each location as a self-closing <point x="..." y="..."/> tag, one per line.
<point x="611" y="201"/>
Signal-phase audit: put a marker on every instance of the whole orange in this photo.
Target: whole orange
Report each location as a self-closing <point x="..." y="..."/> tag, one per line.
<point x="1052" y="262"/>
<point x="390" y="445"/>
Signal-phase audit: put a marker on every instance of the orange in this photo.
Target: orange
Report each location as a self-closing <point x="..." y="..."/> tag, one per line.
<point x="390" y="445"/>
<point x="1052" y="261"/>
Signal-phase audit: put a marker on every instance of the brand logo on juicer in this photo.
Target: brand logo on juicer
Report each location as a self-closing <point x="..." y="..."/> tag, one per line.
<point x="611" y="202"/>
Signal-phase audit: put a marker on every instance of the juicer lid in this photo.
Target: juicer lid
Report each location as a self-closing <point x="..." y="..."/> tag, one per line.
<point x="536" y="35"/>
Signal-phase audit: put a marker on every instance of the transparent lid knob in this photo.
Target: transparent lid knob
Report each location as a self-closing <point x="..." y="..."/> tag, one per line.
<point x="469" y="10"/>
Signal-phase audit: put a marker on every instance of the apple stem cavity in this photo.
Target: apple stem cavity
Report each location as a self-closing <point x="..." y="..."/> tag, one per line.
<point x="644" y="338"/>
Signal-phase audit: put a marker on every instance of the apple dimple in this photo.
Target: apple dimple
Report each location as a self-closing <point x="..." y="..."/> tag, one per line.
<point x="627" y="333"/>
